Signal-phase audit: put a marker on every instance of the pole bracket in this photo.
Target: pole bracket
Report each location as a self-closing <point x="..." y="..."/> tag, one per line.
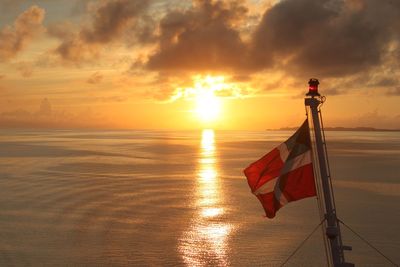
<point x="332" y="232"/>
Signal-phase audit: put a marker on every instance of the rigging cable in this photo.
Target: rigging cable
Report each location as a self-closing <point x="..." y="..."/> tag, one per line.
<point x="368" y="243"/>
<point x="302" y="243"/>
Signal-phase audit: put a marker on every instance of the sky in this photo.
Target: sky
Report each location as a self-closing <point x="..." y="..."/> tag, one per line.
<point x="172" y="64"/>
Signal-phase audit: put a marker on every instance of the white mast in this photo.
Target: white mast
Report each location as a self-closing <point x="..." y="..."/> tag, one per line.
<point x="333" y="237"/>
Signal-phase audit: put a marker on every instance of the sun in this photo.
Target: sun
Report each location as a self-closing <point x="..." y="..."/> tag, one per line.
<point x="207" y="104"/>
<point x="206" y="96"/>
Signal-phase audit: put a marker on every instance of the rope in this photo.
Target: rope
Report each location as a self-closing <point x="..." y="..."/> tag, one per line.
<point x="368" y="243"/>
<point x="302" y="243"/>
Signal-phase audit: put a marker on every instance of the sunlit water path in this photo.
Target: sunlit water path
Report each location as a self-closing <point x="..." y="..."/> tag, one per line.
<point x="205" y="242"/>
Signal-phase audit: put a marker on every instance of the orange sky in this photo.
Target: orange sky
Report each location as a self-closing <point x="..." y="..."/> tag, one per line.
<point x="193" y="64"/>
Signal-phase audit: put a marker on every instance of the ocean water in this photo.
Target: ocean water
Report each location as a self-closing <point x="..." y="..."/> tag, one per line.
<point x="169" y="198"/>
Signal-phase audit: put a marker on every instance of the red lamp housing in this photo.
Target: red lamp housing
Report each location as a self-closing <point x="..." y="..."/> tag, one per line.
<point x="313" y="87"/>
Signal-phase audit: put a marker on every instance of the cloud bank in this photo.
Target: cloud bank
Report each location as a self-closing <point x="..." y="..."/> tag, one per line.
<point x="353" y="43"/>
<point x="329" y="38"/>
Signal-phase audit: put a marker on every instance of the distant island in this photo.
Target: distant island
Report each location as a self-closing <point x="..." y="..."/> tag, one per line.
<point x="355" y="129"/>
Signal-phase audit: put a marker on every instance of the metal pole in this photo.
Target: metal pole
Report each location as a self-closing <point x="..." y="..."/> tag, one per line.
<point x="332" y="230"/>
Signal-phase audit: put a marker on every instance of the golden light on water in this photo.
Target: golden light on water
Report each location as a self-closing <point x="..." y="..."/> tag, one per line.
<point x="208" y="186"/>
<point x="205" y="241"/>
<point x="211" y="212"/>
<point x="207" y="141"/>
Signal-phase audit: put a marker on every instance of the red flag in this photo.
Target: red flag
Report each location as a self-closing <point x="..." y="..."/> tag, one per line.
<point x="285" y="174"/>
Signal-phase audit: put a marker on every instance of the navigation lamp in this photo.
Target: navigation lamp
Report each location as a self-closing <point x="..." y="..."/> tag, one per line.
<point x="313" y="87"/>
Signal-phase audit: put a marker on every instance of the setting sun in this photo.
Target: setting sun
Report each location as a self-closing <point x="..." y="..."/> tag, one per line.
<point x="207" y="103"/>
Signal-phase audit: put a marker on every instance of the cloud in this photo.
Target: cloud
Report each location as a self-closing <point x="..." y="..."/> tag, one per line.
<point x="165" y="87"/>
<point x="75" y="50"/>
<point x="303" y="38"/>
<point x="385" y="82"/>
<point x="200" y="38"/>
<point x="333" y="40"/>
<point x="350" y="44"/>
<point x="95" y="78"/>
<point x="109" y="20"/>
<point x="298" y="39"/>
<point x="144" y="31"/>
<point x="72" y="48"/>
<point x="327" y="38"/>
<point x="27" y="25"/>
<point x="284" y="27"/>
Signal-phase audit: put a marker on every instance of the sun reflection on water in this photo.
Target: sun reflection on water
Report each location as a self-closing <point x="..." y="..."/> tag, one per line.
<point x="205" y="241"/>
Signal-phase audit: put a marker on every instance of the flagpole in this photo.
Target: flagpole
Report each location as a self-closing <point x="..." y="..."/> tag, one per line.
<point x="332" y="230"/>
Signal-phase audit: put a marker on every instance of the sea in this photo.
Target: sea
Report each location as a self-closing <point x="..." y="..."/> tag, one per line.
<point x="179" y="198"/>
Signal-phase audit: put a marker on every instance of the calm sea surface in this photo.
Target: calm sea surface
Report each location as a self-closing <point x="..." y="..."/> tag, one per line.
<point x="167" y="198"/>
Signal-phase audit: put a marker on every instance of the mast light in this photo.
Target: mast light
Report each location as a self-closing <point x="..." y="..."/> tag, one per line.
<point x="313" y="87"/>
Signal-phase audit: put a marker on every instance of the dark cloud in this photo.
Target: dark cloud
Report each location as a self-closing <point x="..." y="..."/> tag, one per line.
<point x="385" y="82"/>
<point x="14" y="39"/>
<point x="303" y="38"/>
<point x="111" y="19"/>
<point x="326" y="37"/>
<point x="72" y="48"/>
<point x="143" y="31"/>
<point x="75" y="50"/>
<point x="200" y="38"/>
<point x="285" y="27"/>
